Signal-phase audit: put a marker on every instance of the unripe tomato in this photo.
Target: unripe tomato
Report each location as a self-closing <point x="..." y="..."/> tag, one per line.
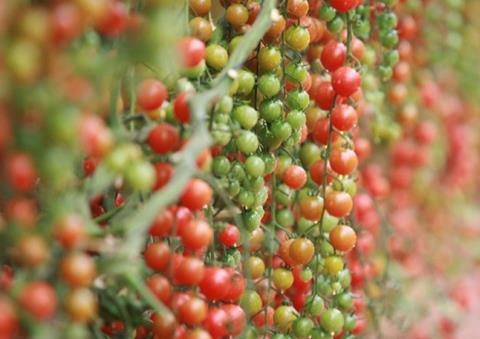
<point x="78" y="270"/>
<point x="301" y="251"/>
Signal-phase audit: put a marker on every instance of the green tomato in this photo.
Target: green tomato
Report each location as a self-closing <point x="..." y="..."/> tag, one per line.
<point x="389" y="39"/>
<point x="335" y="25"/>
<point x="247" y="142"/>
<point x="345" y="301"/>
<point x="387" y="21"/>
<point x="309" y="153"/>
<point x="314" y="305"/>
<point x="195" y="72"/>
<point x="327" y="12"/>
<point x="283" y="318"/>
<point x="282" y="278"/>
<point x="296" y="119"/>
<point x="298" y="99"/>
<point x="269" y="161"/>
<point x="246" y="198"/>
<point x="254" y="166"/>
<point x="140" y="175"/>
<point x="329" y="222"/>
<point x="221" y="134"/>
<point x="283" y="195"/>
<point x="297" y="37"/>
<point x="391" y="58"/>
<point x="238" y="172"/>
<point x="234" y="43"/>
<point x="251" y="219"/>
<point x="220" y="166"/>
<point x="269" y="58"/>
<point x="246" y="82"/>
<point x="251" y="302"/>
<point x="317" y="333"/>
<point x="271" y="110"/>
<point x="386" y="72"/>
<point x="332" y="321"/>
<point x="216" y="56"/>
<point x="302" y="327"/>
<point x="325" y="248"/>
<point x="245" y="115"/>
<point x="345" y="278"/>
<point x="255" y="184"/>
<point x="285" y="218"/>
<point x="224" y="105"/>
<point x="261" y="197"/>
<point x="281" y="130"/>
<point x="296" y="72"/>
<point x="269" y="85"/>
<point x="350" y="322"/>
<point x="233" y="188"/>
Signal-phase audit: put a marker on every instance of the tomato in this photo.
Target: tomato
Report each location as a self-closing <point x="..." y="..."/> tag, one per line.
<point x="236" y="15"/>
<point x="151" y="94"/>
<point x="162" y="224"/>
<point x="160" y="287"/>
<point x="246" y="116"/>
<point x="78" y="270"/>
<point x="196" y="333"/>
<point x="254" y="267"/>
<point x="344" y="6"/>
<point x="193" y="311"/>
<point x="346" y="81"/>
<point x="236" y="319"/>
<point x="269" y="58"/>
<point x="338" y="204"/>
<point x="164" y="325"/>
<point x="284" y="252"/>
<point x="157" y="256"/>
<point x="200" y="7"/>
<point x="236" y="286"/>
<point x="332" y="320"/>
<point x="163" y="138"/>
<point x="295" y="177"/>
<point x="114" y="21"/>
<point x="344" y="117"/>
<point x="277" y="27"/>
<point x="8" y="318"/>
<point x="216" y="56"/>
<point x="297" y="38"/>
<point x="324" y="95"/>
<point x="70" y="231"/>
<point x="316" y="172"/>
<point x="201" y="28"/>
<point x="343" y="161"/>
<point x="32" y="250"/>
<point x="262" y="319"/>
<point x="302" y="327"/>
<point x="214" y="283"/>
<point x="297" y="8"/>
<point x="333" y="55"/>
<point x="282" y="279"/>
<point x="321" y="132"/>
<point x="196" y="195"/>
<point x="216" y="322"/>
<point x="181" y="108"/>
<point x="301" y="251"/>
<point x="251" y="302"/>
<point x="343" y="238"/>
<point x="283" y="318"/>
<point x="21" y="172"/>
<point x="66" y="22"/>
<point x="196" y="234"/>
<point x="164" y="172"/>
<point x="311" y="208"/>
<point x="189" y="272"/>
<point x="39" y="299"/>
<point x="333" y="265"/>
<point x="230" y="236"/>
<point x="362" y="148"/>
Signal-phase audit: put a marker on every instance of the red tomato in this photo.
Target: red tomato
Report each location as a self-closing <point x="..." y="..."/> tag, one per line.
<point x="346" y="81"/>
<point x="115" y="19"/>
<point x="333" y="55"/>
<point x="164" y="172"/>
<point x="324" y="95"/>
<point x="344" y="117"/>
<point x="344" y="6"/>
<point x="189" y="272"/>
<point x="163" y="138"/>
<point x="321" y="132"/>
<point x="343" y="238"/>
<point x="216" y="322"/>
<point x="192" y="51"/>
<point x="338" y="204"/>
<point x="215" y="282"/>
<point x="236" y="319"/>
<point x="157" y="256"/>
<point x="196" y="195"/>
<point x="295" y="177"/>
<point x="181" y="108"/>
<point x="70" y="231"/>
<point x="236" y="286"/>
<point x="39" y="299"/>
<point x="8" y="319"/>
<point x="229" y="236"/>
<point x="21" y="172"/>
<point x="343" y="161"/>
<point x="162" y="224"/>
<point x="151" y="94"/>
<point x="196" y="234"/>
<point x="316" y="172"/>
<point x="160" y="287"/>
<point x="193" y="311"/>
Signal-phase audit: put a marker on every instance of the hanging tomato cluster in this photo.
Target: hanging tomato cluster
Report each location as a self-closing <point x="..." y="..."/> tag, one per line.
<point x="190" y="169"/>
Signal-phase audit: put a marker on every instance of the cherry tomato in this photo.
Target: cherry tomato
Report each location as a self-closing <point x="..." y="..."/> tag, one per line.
<point x="344" y="6"/>
<point x="157" y="256"/>
<point x="214" y="283"/>
<point x="301" y="251"/>
<point x="163" y="138"/>
<point x="162" y="224"/>
<point x="295" y="177"/>
<point x="151" y="94"/>
<point x="311" y="207"/>
<point x="21" y="172"/>
<point x="200" y="7"/>
<point x="230" y="236"/>
<point x="196" y="195"/>
<point x="39" y="299"/>
<point x="78" y="270"/>
<point x="343" y="238"/>
<point x="8" y="318"/>
<point x="236" y="15"/>
<point x="343" y="161"/>
<point x="193" y="311"/>
<point x="236" y="319"/>
<point x="181" y="108"/>
<point x="216" y="322"/>
<point x="196" y="234"/>
<point x="338" y="204"/>
<point x="344" y="117"/>
<point x="346" y="81"/>
<point x="160" y="287"/>
<point x="333" y="55"/>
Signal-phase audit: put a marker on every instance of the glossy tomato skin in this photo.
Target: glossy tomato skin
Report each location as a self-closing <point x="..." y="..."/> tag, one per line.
<point x="157" y="256"/>
<point x="338" y="204"/>
<point x="344" y="6"/>
<point x="163" y="172"/>
<point x="189" y="272"/>
<point x="192" y="51"/>
<point x="216" y="322"/>
<point x="214" y="283"/>
<point x="196" y="234"/>
<point x="230" y="236"/>
<point x="344" y="117"/>
<point x="343" y="161"/>
<point x="181" y="109"/>
<point x="236" y="319"/>
<point x="151" y="94"/>
<point x="343" y="238"/>
<point x="196" y="195"/>
<point x="163" y="138"/>
<point x="346" y="81"/>
<point x="160" y="287"/>
<point x="162" y="224"/>
<point x="295" y="177"/>
<point x="333" y="55"/>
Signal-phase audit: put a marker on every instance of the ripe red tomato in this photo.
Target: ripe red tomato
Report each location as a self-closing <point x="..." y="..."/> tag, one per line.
<point x="321" y="132"/>
<point x="190" y="271"/>
<point x="236" y="285"/>
<point x="115" y="19"/>
<point x="346" y="81"/>
<point x="333" y="55"/>
<point x="323" y="93"/>
<point x="311" y="208"/>
<point x="193" y="311"/>
<point x="344" y="6"/>
<point x="343" y="161"/>
<point x="8" y="318"/>
<point x="230" y="236"/>
<point x="196" y="234"/>
<point x="343" y="238"/>
<point x="214" y="283"/>
<point x="301" y="250"/>
<point x="297" y="8"/>
<point x="162" y="224"/>
<point x="316" y="172"/>
<point x="39" y="299"/>
<point x="181" y="108"/>
<point x="260" y="319"/>
<point x="21" y="172"/>
<point x="164" y="172"/>
<point x="216" y="322"/>
<point x="163" y="138"/>
<point x="151" y="94"/>
<point x="295" y="177"/>
<point x="160" y="287"/>
<point x="192" y="51"/>
<point x="157" y="256"/>
<point x="344" y="117"/>
<point x="236" y="319"/>
<point x="196" y="195"/>
<point x="164" y="325"/>
<point x="338" y="204"/>
<point x="78" y="269"/>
